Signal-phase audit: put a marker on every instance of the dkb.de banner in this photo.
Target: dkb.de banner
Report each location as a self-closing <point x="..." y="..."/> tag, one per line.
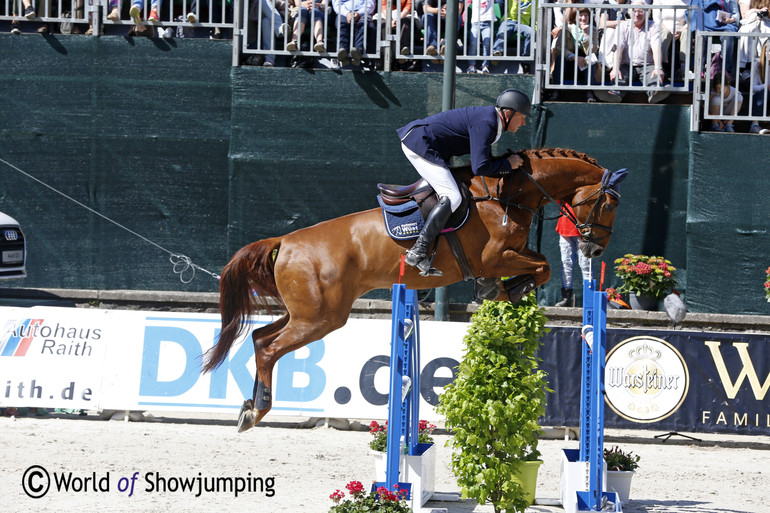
<point x="661" y="380"/>
<point x="667" y="380"/>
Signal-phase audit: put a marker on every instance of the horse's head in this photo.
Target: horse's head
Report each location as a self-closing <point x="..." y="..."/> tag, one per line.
<point x="594" y="207"/>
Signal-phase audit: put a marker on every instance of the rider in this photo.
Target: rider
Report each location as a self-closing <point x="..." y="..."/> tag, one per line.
<point x="429" y="144"/>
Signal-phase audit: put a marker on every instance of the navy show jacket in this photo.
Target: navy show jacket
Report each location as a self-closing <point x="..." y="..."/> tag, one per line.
<point x="463" y="131"/>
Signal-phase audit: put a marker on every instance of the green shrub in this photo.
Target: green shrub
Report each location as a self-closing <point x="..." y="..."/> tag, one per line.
<point x="494" y="404"/>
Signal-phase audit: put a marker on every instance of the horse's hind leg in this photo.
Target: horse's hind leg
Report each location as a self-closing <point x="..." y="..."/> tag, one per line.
<point x="269" y="350"/>
<point x="247" y="418"/>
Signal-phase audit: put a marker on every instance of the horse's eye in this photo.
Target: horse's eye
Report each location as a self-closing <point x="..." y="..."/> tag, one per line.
<point x="611" y="207"/>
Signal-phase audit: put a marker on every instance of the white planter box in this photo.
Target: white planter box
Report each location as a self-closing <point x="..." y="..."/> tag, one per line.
<point x="619" y="481"/>
<point x="573" y="479"/>
<point x="419" y="470"/>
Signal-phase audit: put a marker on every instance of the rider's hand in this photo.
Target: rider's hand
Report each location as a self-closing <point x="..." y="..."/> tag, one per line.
<point x="515" y="161"/>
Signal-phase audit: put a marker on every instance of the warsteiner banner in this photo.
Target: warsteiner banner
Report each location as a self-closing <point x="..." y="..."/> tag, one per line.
<point x="667" y="380"/>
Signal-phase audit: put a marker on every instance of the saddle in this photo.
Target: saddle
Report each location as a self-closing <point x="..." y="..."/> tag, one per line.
<point x="405" y="208"/>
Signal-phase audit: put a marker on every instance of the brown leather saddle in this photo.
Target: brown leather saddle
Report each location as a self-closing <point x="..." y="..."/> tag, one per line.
<point x="426" y="198"/>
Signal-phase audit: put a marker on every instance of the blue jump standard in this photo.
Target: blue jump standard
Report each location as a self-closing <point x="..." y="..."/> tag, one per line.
<point x="404" y="400"/>
<point x="592" y="400"/>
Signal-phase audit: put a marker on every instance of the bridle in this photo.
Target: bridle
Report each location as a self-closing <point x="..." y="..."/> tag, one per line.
<point x="585" y="229"/>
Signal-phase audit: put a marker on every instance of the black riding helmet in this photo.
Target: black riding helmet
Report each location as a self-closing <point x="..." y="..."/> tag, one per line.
<point x="515" y="100"/>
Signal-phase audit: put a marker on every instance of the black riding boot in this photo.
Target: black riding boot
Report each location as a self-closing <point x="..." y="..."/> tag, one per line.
<point x="566" y="298"/>
<point x="418" y="255"/>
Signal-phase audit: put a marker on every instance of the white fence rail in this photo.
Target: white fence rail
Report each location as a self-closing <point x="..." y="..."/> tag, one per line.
<point x="567" y="47"/>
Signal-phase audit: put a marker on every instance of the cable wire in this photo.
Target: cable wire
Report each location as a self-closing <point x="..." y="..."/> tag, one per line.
<point x="182" y="264"/>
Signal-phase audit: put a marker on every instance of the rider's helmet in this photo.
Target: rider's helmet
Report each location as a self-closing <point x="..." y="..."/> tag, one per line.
<point x="515" y="100"/>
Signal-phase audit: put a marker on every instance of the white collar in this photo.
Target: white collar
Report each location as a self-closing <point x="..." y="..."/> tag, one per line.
<point x="499" y="126"/>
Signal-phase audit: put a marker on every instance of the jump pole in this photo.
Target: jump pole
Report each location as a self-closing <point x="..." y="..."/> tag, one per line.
<point x="583" y="471"/>
<point x="403" y="447"/>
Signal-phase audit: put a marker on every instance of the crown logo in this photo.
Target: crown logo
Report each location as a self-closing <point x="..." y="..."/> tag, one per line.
<point x="644" y="352"/>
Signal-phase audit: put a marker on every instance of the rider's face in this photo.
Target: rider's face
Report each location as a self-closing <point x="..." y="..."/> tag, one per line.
<point x="517" y="121"/>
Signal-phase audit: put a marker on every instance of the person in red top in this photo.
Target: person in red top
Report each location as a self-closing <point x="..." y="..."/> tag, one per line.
<point x="569" y="237"/>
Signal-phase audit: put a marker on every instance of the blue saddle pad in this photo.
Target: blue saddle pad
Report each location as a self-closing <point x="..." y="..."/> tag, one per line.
<point x="403" y="222"/>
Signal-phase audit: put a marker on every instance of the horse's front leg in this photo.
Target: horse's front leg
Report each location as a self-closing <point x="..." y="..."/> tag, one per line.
<point x="518" y="273"/>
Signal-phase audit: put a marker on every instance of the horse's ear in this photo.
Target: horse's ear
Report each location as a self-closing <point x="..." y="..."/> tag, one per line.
<point x="617" y="177"/>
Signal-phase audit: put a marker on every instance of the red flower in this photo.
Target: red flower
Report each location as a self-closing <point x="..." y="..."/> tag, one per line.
<point x="355" y="488"/>
<point x="386" y="495"/>
<point x="642" y="268"/>
<point x="337" y="496"/>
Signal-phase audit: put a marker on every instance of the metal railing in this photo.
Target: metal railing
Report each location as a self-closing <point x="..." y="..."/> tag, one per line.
<point x="417" y="34"/>
<point x="574" y="59"/>
<point x="747" y="76"/>
<point x="211" y="14"/>
<point x="556" y="55"/>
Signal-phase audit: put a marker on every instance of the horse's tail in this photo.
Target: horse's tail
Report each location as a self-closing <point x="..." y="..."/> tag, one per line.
<point x="247" y="281"/>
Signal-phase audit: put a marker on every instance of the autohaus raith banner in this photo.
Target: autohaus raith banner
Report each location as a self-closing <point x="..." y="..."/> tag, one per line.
<point x="667" y="380"/>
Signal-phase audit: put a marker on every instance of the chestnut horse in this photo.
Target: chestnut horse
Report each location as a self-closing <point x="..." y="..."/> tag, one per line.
<point x="316" y="273"/>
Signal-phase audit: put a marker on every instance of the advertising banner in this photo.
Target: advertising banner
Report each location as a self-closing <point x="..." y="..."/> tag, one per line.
<point x="663" y="380"/>
<point x="122" y="360"/>
<point x="667" y="380"/>
<point x="52" y="360"/>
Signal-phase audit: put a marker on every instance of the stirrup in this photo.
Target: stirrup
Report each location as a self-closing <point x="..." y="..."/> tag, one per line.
<point x="426" y="268"/>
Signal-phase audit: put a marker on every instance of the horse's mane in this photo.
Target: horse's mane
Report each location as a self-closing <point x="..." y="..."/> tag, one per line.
<point x="464" y="172"/>
<point x="557" y="153"/>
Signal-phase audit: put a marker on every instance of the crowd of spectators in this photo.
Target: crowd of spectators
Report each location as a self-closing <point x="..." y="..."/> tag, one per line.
<point x="647" y="45"/>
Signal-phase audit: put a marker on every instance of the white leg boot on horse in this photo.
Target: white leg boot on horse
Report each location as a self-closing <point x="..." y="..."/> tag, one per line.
<point x="418" y="255"/>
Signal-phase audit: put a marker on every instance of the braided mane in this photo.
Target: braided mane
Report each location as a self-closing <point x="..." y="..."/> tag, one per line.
<point x="557" y="153"/>
<point x="464" y="171"/>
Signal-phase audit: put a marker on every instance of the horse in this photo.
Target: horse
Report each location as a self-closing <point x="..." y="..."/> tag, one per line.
<point x="314" y="274"/>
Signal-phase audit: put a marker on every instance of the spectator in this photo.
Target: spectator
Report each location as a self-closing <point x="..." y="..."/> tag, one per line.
<point x="722" y="16"/>
<point x="355" y="16"/>
<point x="559" y="15"/>
<point x="309" y="9"/>
<point x="760" y="90"/>
<point x="482" y="26"/>
<point x="608" y="24"/>
<point x="216" y="14"/>
<point x="576" y="51"/>
<point x="638" y="55"/>
<point x="725" y="100"/>
<point x="569" y="239"/>
<point x="754" y="18"/>
<point x="675" y="35"/>
<point x="435" y="24"/>
<point x="114" y="15"/>
<point x="29" y="14"/>
<point x="270" y="14"/>
<point x="136" y="12"/>
<point x="400" y="23"/>
<point x="516" y="29"/>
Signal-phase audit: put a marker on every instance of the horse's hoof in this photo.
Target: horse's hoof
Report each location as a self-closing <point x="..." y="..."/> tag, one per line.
<point x="247" y="417"/>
